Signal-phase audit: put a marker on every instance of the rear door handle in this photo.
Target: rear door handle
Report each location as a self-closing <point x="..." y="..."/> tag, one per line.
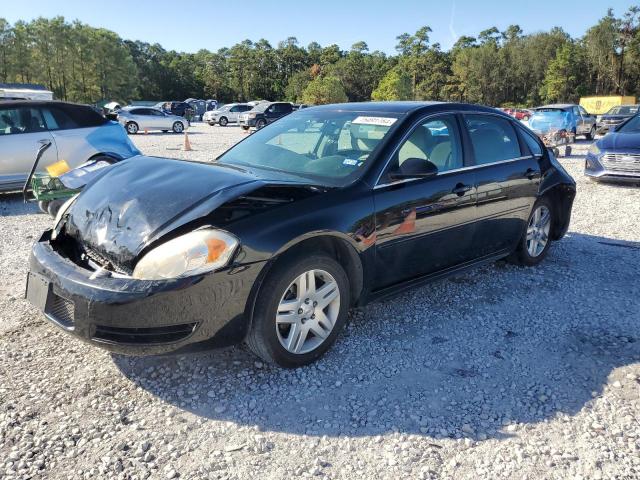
<point x="460" y="189"/>
<point x="531" y="173"/>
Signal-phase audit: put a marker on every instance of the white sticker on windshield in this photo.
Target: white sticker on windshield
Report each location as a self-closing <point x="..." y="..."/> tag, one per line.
<point x="381" y="121"/>
<point x="349" y="161"/>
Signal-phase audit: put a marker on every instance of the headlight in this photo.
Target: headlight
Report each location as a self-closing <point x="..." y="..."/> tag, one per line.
<point x="63" y="209"/>
<point x="196" y="252"/>
<point x="594" y="150"/>
<point x="251" y="115"/>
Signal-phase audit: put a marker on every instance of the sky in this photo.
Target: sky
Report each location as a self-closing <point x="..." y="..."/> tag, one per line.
<point x="190" y="25"/>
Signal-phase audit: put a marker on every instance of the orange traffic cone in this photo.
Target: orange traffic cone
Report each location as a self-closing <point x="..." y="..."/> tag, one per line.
<point x="187" y="143"/>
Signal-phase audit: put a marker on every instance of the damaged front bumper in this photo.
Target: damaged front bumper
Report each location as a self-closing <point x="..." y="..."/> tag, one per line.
<point x="140" y="317"/>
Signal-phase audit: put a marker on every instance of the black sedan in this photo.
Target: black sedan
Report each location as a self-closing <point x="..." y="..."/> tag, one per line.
<point x="615" y="116"/>
<point x="616" y="156"/>
<point x="328" y="208"/>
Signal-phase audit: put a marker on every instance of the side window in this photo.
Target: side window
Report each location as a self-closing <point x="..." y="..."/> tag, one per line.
<point x="583" y="111"/>
<point x="576" y="111"/>
<point x="235" y="109"/>
<point x="137" y="111"/>
<point x="246" y="108"/>
<point x="532" y="143"/>
<point x="57" y="119"/>
<point x="437" y="141"/>
<point x="156" y="113"/>
<point x="21" y="120"/>
<point x="493" y="138"/>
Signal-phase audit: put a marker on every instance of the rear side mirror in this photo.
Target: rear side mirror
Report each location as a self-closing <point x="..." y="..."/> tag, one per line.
<point x="415" y="168"/>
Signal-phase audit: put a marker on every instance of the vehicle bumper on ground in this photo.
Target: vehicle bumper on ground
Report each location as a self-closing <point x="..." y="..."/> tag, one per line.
<point x="609" y="170"/>
<point x="140" y="317"/>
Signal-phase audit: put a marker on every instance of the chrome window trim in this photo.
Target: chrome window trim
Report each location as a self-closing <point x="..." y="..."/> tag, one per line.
<point x="470" y="167"/>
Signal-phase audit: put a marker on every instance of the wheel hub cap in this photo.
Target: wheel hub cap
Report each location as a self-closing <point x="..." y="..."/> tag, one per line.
<point x="308" y="311"/>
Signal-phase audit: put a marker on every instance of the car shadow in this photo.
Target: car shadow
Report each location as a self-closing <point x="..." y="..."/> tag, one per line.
<point x="12" y="204"/>
<point x="463" y="358"/>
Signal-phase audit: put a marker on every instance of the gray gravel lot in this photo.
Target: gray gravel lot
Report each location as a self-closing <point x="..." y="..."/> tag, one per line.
<point x="503" y="372"/>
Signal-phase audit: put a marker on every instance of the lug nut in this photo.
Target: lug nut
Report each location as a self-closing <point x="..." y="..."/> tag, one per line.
<point x="306" y="300"/>
<point x="315" y="304"/>
<point x="303" y="320"/>
<point x="313" y="317"/>
<point x="299" y="311"/>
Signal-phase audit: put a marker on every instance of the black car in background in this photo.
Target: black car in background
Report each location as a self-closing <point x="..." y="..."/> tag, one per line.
<point x="182" y="109"/>
<point x="615" y="116"/>
<point x="330" y="207"/>
<point x="264" y="113"/>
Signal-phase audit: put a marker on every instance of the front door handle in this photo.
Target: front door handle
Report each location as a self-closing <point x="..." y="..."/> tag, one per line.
<point x="531" y="173"/>
<point x="460" y="189"/>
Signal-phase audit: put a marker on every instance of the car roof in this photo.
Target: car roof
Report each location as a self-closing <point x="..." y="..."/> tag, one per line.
<point x="560" y="106"/>
<point x="407" y="107"/>
<point x="39" y="103"/>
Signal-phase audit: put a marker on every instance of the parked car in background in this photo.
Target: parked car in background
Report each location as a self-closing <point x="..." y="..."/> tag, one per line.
<point x="226" y="114"/>
<point x="212" y="105"/>
<point x="522" y="114"/>
<point x="77" y="133"/>
<point x="328" y="208"/>
<point x="182" y="109"/>
<point x="616" y="156"/>
<point x="615" y="116"/>
<point x="265" y="113"/>
<point x="134" y="119"/>
<point x="578" y="120"/>
<point x="199" y="107"/>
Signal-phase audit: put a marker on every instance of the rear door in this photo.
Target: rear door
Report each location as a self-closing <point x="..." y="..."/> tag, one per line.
<point x="425" y="225"/>
<point x="22" y="132"/>
<point x="507" y="180"/>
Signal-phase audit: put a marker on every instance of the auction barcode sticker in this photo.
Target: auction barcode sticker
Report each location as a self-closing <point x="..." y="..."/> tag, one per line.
<point x="381" y="121"/>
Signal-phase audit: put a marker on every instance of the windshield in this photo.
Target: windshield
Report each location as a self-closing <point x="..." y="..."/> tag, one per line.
<point x="623" y="110"/>
<point x="549" y="120"/>
<point x="632" y="126"/>
<point x="261" y="107"/>
<point x="331" y="147"/>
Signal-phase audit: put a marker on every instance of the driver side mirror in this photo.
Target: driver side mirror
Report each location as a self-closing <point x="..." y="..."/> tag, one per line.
<point x="415" y="168"/>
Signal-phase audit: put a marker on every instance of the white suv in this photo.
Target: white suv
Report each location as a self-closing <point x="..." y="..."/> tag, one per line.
<point x="227" y="114"/>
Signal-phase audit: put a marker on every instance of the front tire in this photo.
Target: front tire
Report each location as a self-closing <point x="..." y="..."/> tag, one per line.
<point x="178" y="127"/>
<point x="301" y="308"/>
<point x="132" y="128"/>
<point x="536" y="240"/>
<point x="260" y="124"/>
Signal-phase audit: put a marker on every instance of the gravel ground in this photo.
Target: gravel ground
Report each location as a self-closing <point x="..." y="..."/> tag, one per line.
<point x="503" y="372"/>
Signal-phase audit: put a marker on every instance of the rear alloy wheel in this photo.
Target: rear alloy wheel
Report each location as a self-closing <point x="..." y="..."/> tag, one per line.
<point x="592" y="133"/>
<point x="534" y="244"/>
<point x="223" y="121"/>
<point x="178" y="127"/>
<point x="132" y="128"/>
<point x="301" y="307"/>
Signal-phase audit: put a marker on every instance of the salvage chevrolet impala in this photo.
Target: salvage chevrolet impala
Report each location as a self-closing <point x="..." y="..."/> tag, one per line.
<point x="327" y="208"/>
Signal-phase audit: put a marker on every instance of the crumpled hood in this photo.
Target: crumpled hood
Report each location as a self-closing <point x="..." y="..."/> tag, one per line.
<point x="620" y="141"/>
<point x="139" y="200"/>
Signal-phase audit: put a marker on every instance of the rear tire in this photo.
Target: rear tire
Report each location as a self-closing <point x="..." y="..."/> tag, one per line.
<point x="244" y="127"/>
<point x="534" y="244"/>
<point x="592" y="133"/>
<point x="290" y="310"/>
<point x="223" y="121"/>
<point x="132" y="128"/>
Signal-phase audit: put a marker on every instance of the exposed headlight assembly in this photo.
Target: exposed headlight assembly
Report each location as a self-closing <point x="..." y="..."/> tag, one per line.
<point x="190" y="254"/>
<point x="57" y="223"/>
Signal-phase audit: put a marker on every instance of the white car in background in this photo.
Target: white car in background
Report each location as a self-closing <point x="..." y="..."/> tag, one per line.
<point x="77" y="133"/>
<point x="227" y="114"/>
<point x="134" y="119"/>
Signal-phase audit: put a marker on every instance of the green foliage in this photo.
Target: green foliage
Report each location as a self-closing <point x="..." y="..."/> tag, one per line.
<point x="324" y="90"/>
<point x="81" y="63"/>
<point x="396" y="85"/>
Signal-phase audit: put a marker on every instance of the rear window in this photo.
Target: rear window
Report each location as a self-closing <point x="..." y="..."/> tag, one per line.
<point x="494" y="139"/>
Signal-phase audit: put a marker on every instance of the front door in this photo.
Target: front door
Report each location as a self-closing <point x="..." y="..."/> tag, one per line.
<point x="22" y="132"/>
<point x="425" y="225"/>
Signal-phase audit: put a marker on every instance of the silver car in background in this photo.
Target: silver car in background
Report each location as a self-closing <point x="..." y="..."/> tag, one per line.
<point x="134" y="119"/>
<point x="77" y="133"/>
<point x="226" y="114"/>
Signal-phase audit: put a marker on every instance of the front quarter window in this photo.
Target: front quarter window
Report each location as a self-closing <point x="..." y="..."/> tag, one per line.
<point x="330" y="147"/>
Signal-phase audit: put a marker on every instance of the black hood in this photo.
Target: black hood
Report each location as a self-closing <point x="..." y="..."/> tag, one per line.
<point x="620" y="141"/>
<point x="139" y="200"/>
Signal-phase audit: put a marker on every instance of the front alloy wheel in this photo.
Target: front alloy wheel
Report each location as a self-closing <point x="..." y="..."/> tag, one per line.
<point x="308" y="311"/>
<point x="178" y="127"/>
<point x="301" y="307"/>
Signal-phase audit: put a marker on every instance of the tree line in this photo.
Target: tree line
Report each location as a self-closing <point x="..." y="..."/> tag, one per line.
<point x="501" y="68"/>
